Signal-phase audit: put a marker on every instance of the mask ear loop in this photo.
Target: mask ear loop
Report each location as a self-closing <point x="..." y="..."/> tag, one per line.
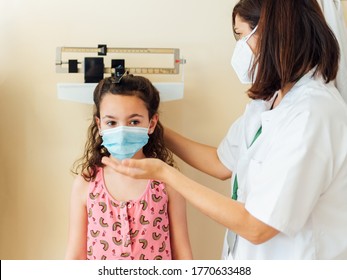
<point x="250" y="34"/>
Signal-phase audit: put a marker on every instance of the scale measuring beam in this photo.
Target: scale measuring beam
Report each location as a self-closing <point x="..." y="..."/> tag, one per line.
<point x="102" y="50"/>
<point x="83" y="92"/>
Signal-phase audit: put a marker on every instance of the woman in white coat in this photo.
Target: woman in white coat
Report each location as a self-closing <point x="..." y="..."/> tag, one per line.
<point x="287" y="154"/>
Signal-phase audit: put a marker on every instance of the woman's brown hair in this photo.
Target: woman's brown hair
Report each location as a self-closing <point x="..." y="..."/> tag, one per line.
<point x="249" y="11"/>
<point x="293" y="38"/>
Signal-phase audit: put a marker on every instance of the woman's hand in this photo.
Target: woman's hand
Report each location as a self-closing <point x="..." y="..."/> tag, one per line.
<point x="148" y="168"/>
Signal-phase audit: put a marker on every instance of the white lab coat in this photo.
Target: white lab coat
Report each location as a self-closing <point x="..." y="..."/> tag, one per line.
<point x="334" y="16"/>
<point x="294" y="176"/>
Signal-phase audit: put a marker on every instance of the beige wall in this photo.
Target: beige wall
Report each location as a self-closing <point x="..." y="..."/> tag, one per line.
<point x="42" y="136"/>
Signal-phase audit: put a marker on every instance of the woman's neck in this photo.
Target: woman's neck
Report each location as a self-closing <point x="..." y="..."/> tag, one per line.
<point x="281" y="93"/>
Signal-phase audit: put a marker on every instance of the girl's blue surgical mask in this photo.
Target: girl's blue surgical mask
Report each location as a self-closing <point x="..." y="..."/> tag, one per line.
<point x="242" y="59"/>
<point x="124" y="141"/>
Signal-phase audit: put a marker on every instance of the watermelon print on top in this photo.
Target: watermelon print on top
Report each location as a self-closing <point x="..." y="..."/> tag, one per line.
<point x="132" y="230"/>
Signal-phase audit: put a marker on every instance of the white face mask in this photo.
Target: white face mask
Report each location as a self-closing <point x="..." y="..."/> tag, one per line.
<point x="242" y="59"/>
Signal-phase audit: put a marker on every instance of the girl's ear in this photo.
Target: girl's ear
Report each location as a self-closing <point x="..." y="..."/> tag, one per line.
<point x="97" y="120"/>
<point x="153" y="123"/>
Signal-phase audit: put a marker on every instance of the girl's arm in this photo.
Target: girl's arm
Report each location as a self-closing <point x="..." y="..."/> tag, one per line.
<point x="77" y="241"/>
<point x="224" y="210"/>
<point x="180" y="244"/>
<point x="200" y="156"/>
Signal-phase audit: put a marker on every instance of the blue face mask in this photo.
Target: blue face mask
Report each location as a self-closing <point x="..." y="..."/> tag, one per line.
<point x="124" y="141"/>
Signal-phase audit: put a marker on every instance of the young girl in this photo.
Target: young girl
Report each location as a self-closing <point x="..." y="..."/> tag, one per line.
<point x="113" y="216"/>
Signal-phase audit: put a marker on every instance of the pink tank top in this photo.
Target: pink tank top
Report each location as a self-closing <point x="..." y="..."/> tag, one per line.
<point x="132" y="230"/>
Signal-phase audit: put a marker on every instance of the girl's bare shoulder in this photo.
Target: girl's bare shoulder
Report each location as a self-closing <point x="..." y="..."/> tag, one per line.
<point x="80" y="188"/>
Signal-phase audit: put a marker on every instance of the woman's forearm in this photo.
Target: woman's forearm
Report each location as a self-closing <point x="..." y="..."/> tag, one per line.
<point x="222" y="209"/>
<point x="199" y="156"/>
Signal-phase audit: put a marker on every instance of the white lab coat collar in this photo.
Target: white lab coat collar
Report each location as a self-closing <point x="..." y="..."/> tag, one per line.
<point x="268" y="115"/>
<point x="258" y="112"/>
